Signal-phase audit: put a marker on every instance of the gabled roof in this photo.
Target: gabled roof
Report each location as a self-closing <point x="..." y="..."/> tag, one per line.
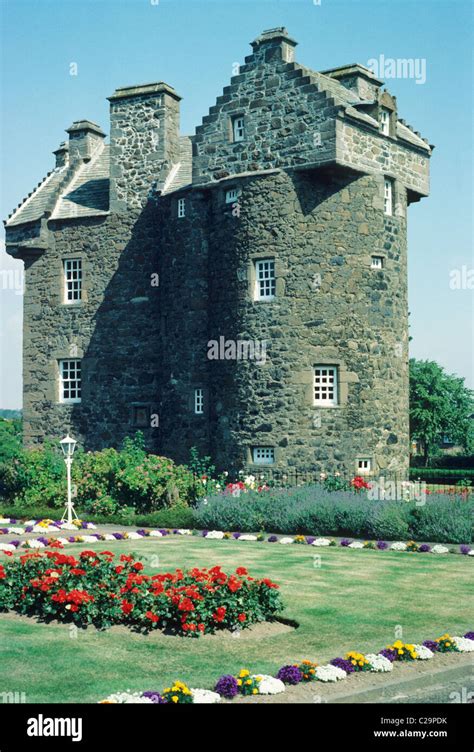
<point x="181" y="174"/>
<point x="77" y="190"/>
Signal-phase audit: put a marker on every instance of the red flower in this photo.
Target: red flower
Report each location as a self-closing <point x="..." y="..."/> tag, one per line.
<point x="241" y="617"/>
<point x="127" y="607"/>
<point x="153" y="617"/>
<point x="241" y="570"/>
<point x="78" y="571"/>
<point x="219" y="614"/>
<point x="118" y="569"/>
<point x="186" y="605"/>
<point x="138" y="566"/>
<point x="234" y="585"/>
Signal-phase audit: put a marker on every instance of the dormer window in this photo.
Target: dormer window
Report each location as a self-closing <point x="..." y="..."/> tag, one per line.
<point x="238" y="128"/>
<point x="385" y="121"/>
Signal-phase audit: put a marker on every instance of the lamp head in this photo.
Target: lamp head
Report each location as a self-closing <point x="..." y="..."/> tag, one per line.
<point x="68" y="445"/>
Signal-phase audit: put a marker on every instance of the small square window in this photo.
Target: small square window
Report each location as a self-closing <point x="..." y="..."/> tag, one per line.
<point x="388" y="196"/>
<point x="181" y="208"/>
<point x="265" y="282"/>
<point x="364" y="466"/>
<point x="325" y="386"/>
<point x="232" y="195"/>
<point x="376" y="262"/>
<point x="238" y="128"/>
<point x="385" y="121"/>
<point x="70" y="381"/>
<point x="141" y="416"/>
<point x="72" y="280"/>
<point x="198" y="401"/>
<point x="263" y="455"/>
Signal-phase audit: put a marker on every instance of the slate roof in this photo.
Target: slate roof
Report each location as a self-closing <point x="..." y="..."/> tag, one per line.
<point x="181" y="175"/>
<point x="87" y="194"/>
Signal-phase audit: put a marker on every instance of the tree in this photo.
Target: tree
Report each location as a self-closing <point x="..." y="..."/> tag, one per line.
<point x="440" y="405"/>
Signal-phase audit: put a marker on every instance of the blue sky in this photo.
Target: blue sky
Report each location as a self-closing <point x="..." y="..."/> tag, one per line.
<point x="193" y="45"/>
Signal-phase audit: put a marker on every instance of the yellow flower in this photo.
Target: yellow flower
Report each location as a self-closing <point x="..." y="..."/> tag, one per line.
<point x="414" y="655"/>
<point x="255" y="691"/>
<point x="167" y="690"/>
<point x="361" y="663"/>
<point x="175" y="698"/>
<point x="448" y="644"/>
<point x="249" y="681"/>
<point x="244" y="672"/>
<point x="353" y="662"/>
<point x="239" y="682"/>
<point x="400" y="652"/>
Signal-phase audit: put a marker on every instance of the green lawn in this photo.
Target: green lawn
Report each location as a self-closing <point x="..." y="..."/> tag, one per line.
<point x="354" y="600"/>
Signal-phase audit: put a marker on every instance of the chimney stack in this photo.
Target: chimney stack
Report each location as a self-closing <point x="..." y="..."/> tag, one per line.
<point x="273" y="44"/>
<point x="144" y="141"/>
<point x="85" y="138"/>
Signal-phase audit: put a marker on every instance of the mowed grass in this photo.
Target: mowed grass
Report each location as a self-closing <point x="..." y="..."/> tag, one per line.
<point x="342" y="599"/>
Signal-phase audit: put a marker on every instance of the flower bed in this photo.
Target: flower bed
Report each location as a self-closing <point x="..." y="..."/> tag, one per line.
<point x="380" y="545"/>
<point x="245" y="683"/>
<point x="96" y="589"/>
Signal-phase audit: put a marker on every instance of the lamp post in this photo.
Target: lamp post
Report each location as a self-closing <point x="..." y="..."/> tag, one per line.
<point x="68" y="445"/>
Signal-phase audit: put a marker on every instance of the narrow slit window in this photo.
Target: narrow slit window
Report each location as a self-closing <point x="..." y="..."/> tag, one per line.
<point x="181" y="208"/>
<point x="325" y="386"/>
<point x="238" y="128"/>
<point x="265" y="282"/>
<point x="198" y="401"/>
<point x="70" y="380"/>
<point x="388" y="196"/>
<point x="385" y="121"/>
<point x="72" y="280"/>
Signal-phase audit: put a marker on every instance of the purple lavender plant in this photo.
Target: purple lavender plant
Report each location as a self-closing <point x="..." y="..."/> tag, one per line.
<point x="382" y="545"/>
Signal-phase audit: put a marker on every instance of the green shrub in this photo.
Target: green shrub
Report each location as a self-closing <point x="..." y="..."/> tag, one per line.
<point x="389" y="521"/>
<point x="36" y="477"/>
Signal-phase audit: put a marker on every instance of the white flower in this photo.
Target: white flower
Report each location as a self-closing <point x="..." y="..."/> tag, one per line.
<point x="28" y="523"/>
<point x="321" y="542"/>
<point x="31" y="543"/>
<point x="5" y="520"/>
<point x="184" y="531"/>
<point x="68" y="526"/>
<point x="44" y="528"/>
<point x="155" y="534"/>
<point x="204" y="696"/>
<point x="64" y="541"/>
<point x="398" y="546"/>
<point x="329" y="673"/>
<point x="423" y="653"/>
<point x="438" y="549"/>
<point x="215" y="534"/>
<point x="268" y="685"/>
<point x="471" y="552"/>
<point x="356" y="544"/>
<point x="91" y="526"/>
<point x="16" y="530"/>
<point x="128" y="698"/>
<point x="89" y="538"/>
<point x="464" y="644"/>
<point x="247" y="537"/>
<point x="110" y="537"/>
<point x="7" y="547"/>
<point x="134" y="536"/>
<point x="379" y="663"/>
<point x="285" y="541"/>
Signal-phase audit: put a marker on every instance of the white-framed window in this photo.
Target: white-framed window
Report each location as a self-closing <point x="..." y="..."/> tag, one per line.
<point x="181" y="208"/>
<point x="364" y="465"/>
<point x="263" y="455"/>
<point x="376" y="262"/>
<point x="198" y="401"/>
<point x="232" y="195"/>
<point x="388" y="196"/>
<point x="70" y="380"/>
<point x="72" y="280"/>
<point x="325" y="385"/>
<point x="265" y="282"/>
<point x="238" y="128"/>
<point x="385" y="121"/>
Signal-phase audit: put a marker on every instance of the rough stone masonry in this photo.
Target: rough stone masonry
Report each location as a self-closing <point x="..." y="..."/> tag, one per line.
<point x="280" y="223"/>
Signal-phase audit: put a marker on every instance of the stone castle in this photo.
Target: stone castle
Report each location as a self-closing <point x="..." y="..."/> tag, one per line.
<point x="242" y="290"/>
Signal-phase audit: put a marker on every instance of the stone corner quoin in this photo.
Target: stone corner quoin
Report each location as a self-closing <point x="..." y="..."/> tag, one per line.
<point x="140" y="252"/>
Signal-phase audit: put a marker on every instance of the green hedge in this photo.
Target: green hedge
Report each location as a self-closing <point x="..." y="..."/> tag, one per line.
<point x="442" y="475"/>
